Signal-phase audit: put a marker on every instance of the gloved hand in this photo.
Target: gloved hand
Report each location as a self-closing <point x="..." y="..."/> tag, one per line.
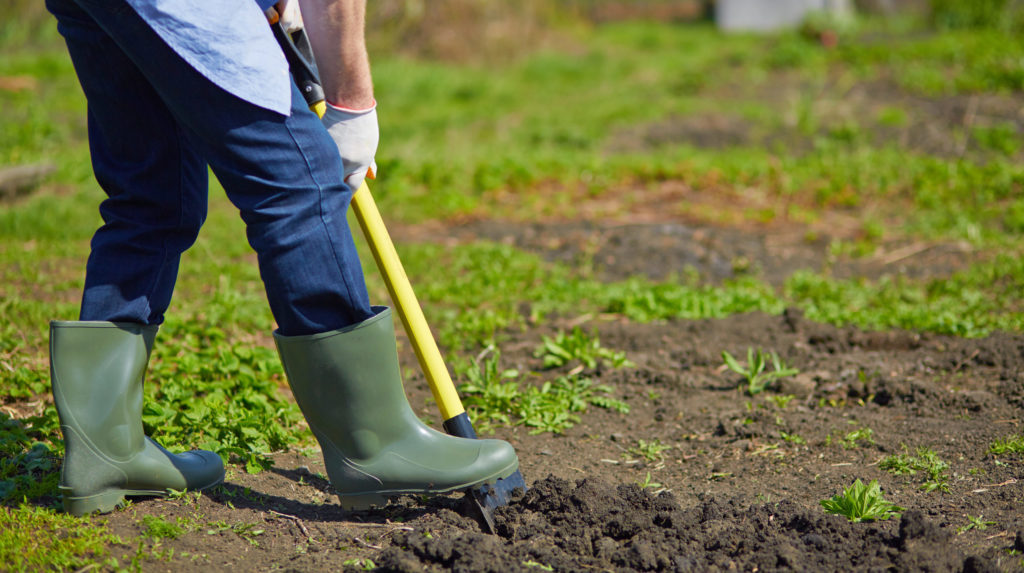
<point x="356" y="134"/>
<point x="291" y="17"/>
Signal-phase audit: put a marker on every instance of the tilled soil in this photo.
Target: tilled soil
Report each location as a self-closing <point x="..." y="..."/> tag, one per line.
<point x="590" y="525"/>
<point x="738" y="488"/>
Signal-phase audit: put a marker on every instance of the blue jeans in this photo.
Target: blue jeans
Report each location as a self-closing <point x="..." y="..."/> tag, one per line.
<point x="154" y="125"/>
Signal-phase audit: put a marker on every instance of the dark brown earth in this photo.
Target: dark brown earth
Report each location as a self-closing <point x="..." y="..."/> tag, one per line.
<point x="618" y="250"/>
<point x="731" y="493"/>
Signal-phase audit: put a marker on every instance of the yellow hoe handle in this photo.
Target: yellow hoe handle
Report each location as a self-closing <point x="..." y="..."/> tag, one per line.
<point x="405" y="303"/>
<point x="383" y="251"/>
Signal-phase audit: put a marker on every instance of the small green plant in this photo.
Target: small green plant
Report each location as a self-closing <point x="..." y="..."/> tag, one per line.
<point x="1013" y="444"/>
<point x="364" y="564"/>
<point x="247" y="531"/>
<point x="577" y="345"/>
<point x="781" y="401"/>
<point x="648" y="483"/>
<point x="491" y="391"/>
<point x="861" y="502"/>
<point x="978" y="523"/>
<point x="852" y="439"/>
<point x="650" y="451"/>
<point x="793" y="438"/>
<point x="494" y="396"/>
<point x="755" y="372"/>
<point x="925" y="460"/>
<point x="538" y="565"/>
<point x="157" y="527"/>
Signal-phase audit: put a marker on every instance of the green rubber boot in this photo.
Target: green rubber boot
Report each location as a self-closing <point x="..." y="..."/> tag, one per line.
<point x="348" y="385"/>
<point x="96" y="370"/>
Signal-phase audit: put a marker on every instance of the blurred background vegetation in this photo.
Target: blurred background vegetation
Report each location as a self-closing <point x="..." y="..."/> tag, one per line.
<point x="474" y="29"/>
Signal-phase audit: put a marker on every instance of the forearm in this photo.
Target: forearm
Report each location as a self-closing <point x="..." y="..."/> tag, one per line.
<point x="336" y="32"/>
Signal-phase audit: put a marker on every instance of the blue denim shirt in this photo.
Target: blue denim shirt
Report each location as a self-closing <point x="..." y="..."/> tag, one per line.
<point x="228" y="42"/>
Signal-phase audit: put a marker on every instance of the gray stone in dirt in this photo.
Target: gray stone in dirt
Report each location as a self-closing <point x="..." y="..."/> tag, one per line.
<point x="772" y="15"/>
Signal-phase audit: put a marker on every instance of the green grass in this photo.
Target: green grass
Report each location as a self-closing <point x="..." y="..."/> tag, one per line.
<point x="925" y="460"/>
<point x="30" y="450"/>
<point x="158" y="527"/>
<point x="579" y="347"/>
<point x="1012" y="444"/>
<point x="493" y="395"/>
<point x="36" y="539"/>
<point x="493" y="280"/>
<point x="209" y="393"/>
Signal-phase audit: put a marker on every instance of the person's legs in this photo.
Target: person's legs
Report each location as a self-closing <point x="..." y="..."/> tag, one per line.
<point x="283" y="173"/>
<point x="156" y="189"/>
<point x="155" y="183"/>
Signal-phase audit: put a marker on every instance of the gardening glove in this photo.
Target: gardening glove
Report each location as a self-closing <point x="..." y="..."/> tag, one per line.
<point x="291" y="17"/>
<point x="356" y="134"/>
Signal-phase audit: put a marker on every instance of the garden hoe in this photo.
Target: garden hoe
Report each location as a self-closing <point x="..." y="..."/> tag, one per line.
<point x="456" y="422"/>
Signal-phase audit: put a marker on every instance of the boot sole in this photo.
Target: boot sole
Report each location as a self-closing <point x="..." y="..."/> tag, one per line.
<point x="368" y="500"/>
<point x="111" y="499"/>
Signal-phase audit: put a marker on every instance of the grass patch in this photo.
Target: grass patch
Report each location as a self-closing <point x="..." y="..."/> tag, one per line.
<point x="220" y="397"/>
<point x="1012" y="444"/>
<point x="30" y="451"/>
<point x="494" y="396"/>
<point x="925" y="460"/>
<point x="156" y="527"/>
<point x="970" y="303"/>
<point x="36" y="539"/>
<point x="578" y="346"/>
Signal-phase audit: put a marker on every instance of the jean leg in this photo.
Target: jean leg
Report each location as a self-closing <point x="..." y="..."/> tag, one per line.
<point x="286" y="177"/>
<point x="283" y="173"/>
<point x="155" y="182"/>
